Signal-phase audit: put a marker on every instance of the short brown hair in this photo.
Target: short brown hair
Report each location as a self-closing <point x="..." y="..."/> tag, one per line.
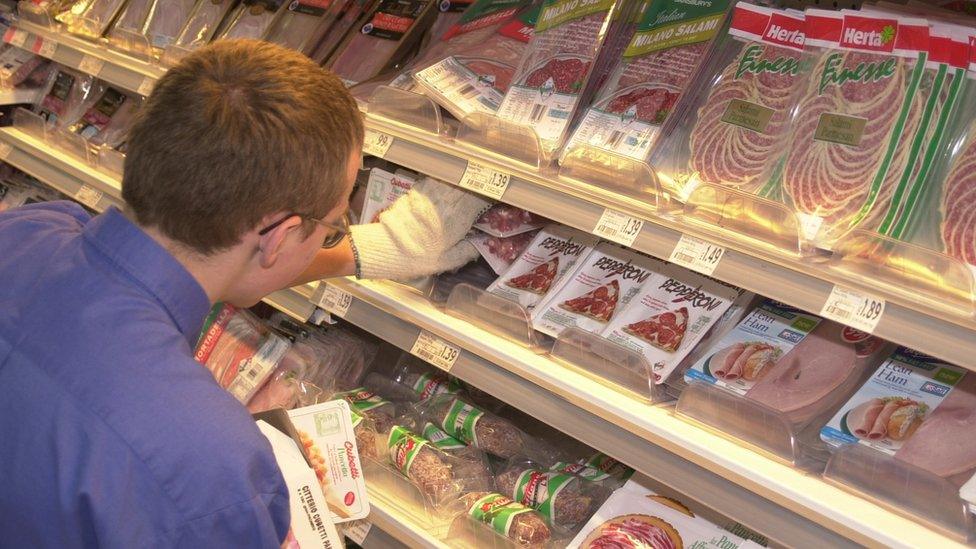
<point x="238" y="130"/>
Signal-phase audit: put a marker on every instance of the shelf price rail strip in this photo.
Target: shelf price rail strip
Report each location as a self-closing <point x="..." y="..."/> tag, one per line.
<point x="776" y="500"/>
<point x="386" y="516"/>
<point x="802" y="285"/>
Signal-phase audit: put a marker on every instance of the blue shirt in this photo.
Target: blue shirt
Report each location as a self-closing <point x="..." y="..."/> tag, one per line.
<point x="111" y="435"/>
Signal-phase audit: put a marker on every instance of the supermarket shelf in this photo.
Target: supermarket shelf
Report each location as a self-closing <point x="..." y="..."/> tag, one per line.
<point x="116" y="68"/>
<point x="18" y="96"/>
<point x="391" y="521"/>
<point x="778" y="501"/>
<point x="57" y="169"/>
<point x="293" y="302"/>
<point x="802" y="284"/>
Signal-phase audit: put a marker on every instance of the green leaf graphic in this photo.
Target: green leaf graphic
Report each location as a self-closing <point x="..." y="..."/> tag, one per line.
<point x="887" y="34"/>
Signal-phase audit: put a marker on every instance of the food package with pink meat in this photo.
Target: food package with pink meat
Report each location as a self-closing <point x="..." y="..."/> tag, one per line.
<point x="383" y="189"/>
<point x="732" y="131"/>
<point x="798" y="365"/>
<point x="202" y="23"/>
<point x="469" y="69"/>
<point x="393" y="29"/>
<point x="16" y="65"/>
<point x="859" y="122"/>
<point x="108" y="120"/>
<point x="554" y="72"/>
<point x="553" y="253"/>
<point x="69" y="95"/>
<point x="635" y="516"/>
<point x="489" y="519"/>
<point x="602" y="284"/>
<point x="239" y="350"/>
<point x="500" y="252"/>
<point x="658" y="64"/>
<point x="89" y="18"/>
<point x="252" y="19"/>
<point x="154" y="23"/>
<point x="503" y="220"/>
<point x="669" y="316"/>
<point x="336" y="357"/>
<point x="303" y="23"/>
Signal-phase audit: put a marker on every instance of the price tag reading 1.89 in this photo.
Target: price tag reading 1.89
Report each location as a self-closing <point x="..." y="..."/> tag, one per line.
<point x="854" y="308"/>
<point x="618" y="227"/>
<point x="376" y="143"/>
<point x="435" y="351"/>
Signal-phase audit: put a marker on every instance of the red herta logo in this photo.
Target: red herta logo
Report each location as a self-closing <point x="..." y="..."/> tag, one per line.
<point x="430" y="388"/>
<point x="784" y="31"/>
<point x="869" y="33"/>
<point x="536" y="488"/>
<point x="403" y="448"/>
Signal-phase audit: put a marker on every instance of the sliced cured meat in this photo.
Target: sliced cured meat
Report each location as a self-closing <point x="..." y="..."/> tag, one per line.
<point x="880" y="428"/>
<point x="664" y="330"/>
<point x="720" y="364"/>
<point x="861" y="419"/>
<point x="944" y="444"/>
<point x="202" y="23"/>
<point x="539" y="279"/>
<point x="598" y="304"/>
<point x="959" y="204"/>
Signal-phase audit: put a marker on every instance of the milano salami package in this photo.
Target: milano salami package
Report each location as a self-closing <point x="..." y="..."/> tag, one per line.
<point x="855" y="123"/>
<point x="671" y="41"/>
<point x="739" y="116"/>
<point x="602" y="284"/>
<point x="669" y="316"/>
<point x="553" y="253"/>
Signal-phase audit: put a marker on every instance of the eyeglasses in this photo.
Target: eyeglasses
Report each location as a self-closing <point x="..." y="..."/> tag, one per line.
<point x="338" y="231"/>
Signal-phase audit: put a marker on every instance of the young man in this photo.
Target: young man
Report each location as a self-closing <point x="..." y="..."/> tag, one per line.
<point x="238" y="171"/>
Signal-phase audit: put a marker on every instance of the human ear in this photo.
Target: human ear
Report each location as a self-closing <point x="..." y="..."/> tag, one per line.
<point x="273" y="242"/>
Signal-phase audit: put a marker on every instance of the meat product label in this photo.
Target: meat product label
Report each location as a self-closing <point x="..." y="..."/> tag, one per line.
<point x="430" y="384"/>
<point x="540" y="490"/>
<point x="750" y="351"/>
<point x="669" y="316"/>
<point x="362" y="400"/>
<point x="440" y="439"/>
<point x="672" y="39"/>
<point x="603" y="283"/>
<point x="553" y="252"/>
<point x="894" y="402"/>
<point x="585" y="472"/>
<point x="382" y="190"/>
<point x="394" y="18"/>
<point x="460" y="422"/>
<point x="404" y="447"/>
<point x="497" y="511"/>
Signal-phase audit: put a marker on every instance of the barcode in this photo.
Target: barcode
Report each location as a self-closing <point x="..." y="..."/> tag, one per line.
<point x="425" y="354"/>
<point x="251" y="374"/>
<point x="537" y="112"/>
<point x="468" y="91"/>
<point x="684" y="257"/>
<point x="839" y="313"/>
<point x="615" y="139"/>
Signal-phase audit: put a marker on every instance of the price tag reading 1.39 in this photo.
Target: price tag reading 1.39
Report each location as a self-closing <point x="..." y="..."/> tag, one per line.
<point x="697" y="254"/>
<point x="854" y="308"/>
<point x="618" y="227"/>
<point x="484" y="180"/>
<point x="376" y="143"/>
<point x="435" y="351"/>
<point x="334" y="300"/>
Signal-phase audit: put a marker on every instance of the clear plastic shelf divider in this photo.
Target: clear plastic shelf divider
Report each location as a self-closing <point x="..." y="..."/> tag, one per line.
<point x="173" y="54"/>
<point x="744" y="217"/>
<point x="39" y="15"/>
<point x="132" y="42"/>
<point x="608" y="170"/>
<point x="30" y="123"/>
<point x="398" y="490"/>
<point x="902" y="487"/>
<point x="911" y="271"/>
<point x="406" y="107"/>
<point x="501" y="138"/>
<point x="74" y="145"/>
<point x="607" y="361"/>
<point x="495" y="314"/>
<point x="89" y="28"/>
<point x="111" y="160"/>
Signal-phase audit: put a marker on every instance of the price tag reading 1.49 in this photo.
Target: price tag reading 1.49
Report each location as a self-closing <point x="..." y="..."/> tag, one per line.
<point x="435" y="351"/>
<point x="334" y="300"/>
<point x="484" y="180"/>
<point x="854" y="308"/>
<point x="376" y="143"/>
<point x="618" y="227"/>
<point x="697" y="254"/>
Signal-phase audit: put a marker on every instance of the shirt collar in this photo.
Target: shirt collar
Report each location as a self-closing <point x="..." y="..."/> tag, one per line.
<point x="154" y="268"/>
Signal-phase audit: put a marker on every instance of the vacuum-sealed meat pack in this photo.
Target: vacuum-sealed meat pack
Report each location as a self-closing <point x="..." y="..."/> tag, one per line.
<point x="252" y="19"/>
<point x="202" y="23"/>
<point x="503" y="220"/>
<point x="302" y="22"/>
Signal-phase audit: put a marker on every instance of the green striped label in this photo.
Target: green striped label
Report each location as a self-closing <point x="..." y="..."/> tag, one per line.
<point x="460" y="422"/>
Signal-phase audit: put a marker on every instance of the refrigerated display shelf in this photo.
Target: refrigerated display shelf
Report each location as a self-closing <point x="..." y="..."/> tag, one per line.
<point x="392" y="527"/>
<point x="784" y="504"/>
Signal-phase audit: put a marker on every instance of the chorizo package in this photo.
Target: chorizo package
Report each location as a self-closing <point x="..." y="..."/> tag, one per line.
<point x="476" y="427"/>
<point x="520" y="524"/>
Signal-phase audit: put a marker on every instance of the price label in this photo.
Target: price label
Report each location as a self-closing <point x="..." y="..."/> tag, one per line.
<point x="484" y="180"/>
<point x="436" y="351"/>
<point x="697" y="254"/>
<point x="356" y="530"/>
<point x="16" y="37"/>
<point x="88" y="196"/>
<point x="146" y="87"/>
<point x="45" y="48"/>
<point x="376" y="143"/>
<point x="334" y="300"/>
<point x="618" y="227"/>
<point x="854" y="308"/>
<point x="5" y="150"/>
<point x="91" y="65"/>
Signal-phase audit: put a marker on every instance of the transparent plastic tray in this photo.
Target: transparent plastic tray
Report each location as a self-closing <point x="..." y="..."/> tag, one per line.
<point x="408" y="108"/>
<point x="476" y="535"/>
<point x="396" y="489"/>
<point x="493" y="313"/>
<point x="29" y="10"/>
<point x="911" y="271"/>
<point x="30" y="123"/>
<point x="903" y="488"/>
<point x="173" y="54"/>
<point x="593" y="166"/>
<point x="608" y="363"/>
<point x="73" y="144"/>
<point x="132" y="42"/>
<point x="111" y="160"/>
<point x="495" y="136"/>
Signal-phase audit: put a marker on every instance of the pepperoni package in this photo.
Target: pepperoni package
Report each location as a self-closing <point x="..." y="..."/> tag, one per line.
<point x="503" y="220"/>
<point x="733" y="130"/>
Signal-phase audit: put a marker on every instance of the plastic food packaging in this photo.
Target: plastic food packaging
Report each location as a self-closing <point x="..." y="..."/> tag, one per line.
<point x="252" y="19"/>
<point x="202" y="23"/>
<point x="449" y="14"/>
<point x="368" y="440"/>
<point x="553" y="253"/>
<point x="287" y="387"/>
<point x="108" y="120"/>
<point x="382" y="190"/>
<point x="424" y="380"/>
<point x="733" y="130"/>
<point x="302" y="22"/>
<point x="16" y="65"/>
<point x="382" y="412"/>
<point x="487" y="513"/>
<point x="471" y="464"/>
<point x="390" y="389"/>
<point x="338" y="358"/>
<point x="656" y="67"/>
<point x="353" y="17"/>
<point x="852" y="138"/>
<point x="602" y="284"/>
<point x="500" y="253"/>
<point x="478" y="274"/>
<point x="477" y="427"/>
<point x="90" y="18"/>
<point x="69" y="95"/>
<point x="503" y="220"/>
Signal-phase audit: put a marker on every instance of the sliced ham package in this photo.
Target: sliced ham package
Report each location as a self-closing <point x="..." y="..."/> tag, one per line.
<point x="108" y="120"/>
<point x="739" y="115"/>
<point x="302" y="23"/>
<point x="857" y="119"/>
<point x="503" y="220"/>
<point x="382" y="190"/>
<point x="672" y="39"/>
<point x="602" y="284"/>
<point x="500" y="252"/>
<point x="672" y="312"/>
<point x="553" y="253"/>
<point x="252" y="19"/>
<point x="554" y="73"/>
<point x="202" y="23"/>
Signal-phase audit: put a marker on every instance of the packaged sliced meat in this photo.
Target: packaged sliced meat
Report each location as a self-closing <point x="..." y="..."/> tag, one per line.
<point x="603" y="283"/>
<point x="352" y="16"/>
<point x="852" y="135"/>
<point x="500" y="253"/>
<point x="657" y="65"/>
<point x="287" y="387"/>
<point x="69" y="95"/>
<point x="239" y="350"/>
<point x="563" y="499"/>
<point x="337" y="357"/>
<point x="16" y="65"/>
<point x="477" y="274"/>
<point x="108" y="120"/>
<point x="476" y="427"/>
<point x="739" y="117"/>
<point x="382" y="190"/>
<point x="554" y="72"/>
<point x="471" y="67"/>
<point x="166" y="20"/>
<point x="202" y="23"/>
<point x="898" y="398"/>
<point x="448" y="14"/>
<point x="132" y="20"/>
<point x="302" y="22"/>
<point x="514" y="521"/>
<point x="635" y="516"/>
<point x="395" y="27"/>
<point x="252" y="19"/>
<point x="553" y="253"/>
<point x="90" y="18"/>
<point x="669" y="316"/>
<point x="503" y="220"/>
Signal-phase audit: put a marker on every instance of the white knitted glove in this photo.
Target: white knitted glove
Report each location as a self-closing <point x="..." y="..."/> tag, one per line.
<point x="421" y="234"/>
